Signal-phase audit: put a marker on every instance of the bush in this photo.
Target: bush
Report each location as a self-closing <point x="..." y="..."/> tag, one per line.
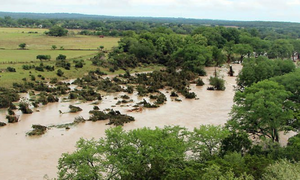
<point x="74" y="109"/>
<point x="217" y="83"/>
<point x="43" y="57"/>
<point x="39" y="68"/>
<point x="199" y="82"/>
<point x="27" y="67"/>
<point x="79" y="65"/>
<point x="37" y="130"/>
<point x="11" y="69"/>
<point x="60" y="72"/>
<point x="24" y="107"/>
<point x="61" y="57"/>
<point x="53" y="80"/>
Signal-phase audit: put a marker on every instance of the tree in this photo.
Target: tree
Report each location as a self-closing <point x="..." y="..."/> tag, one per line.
<point x="260" y="47"/>
<point x="43" y="57"/>
<point x="236" y="142"/>
<point x="281" y="48"/>
<point x="22" y="45"/>
<point x="262" y="110"/>
<point x="207" y="140"/>
<point x="258" y="69"/>
<point x="193" y="58"/>
<point x="243" y="50"/>
<point x="296" y="45"/>
<point x="136" y="154"/>
<point x="101" y="48"/>
<point x="60" y="72"/>
<point x="228" y="48"/>
<point x="282" y="170"/>
<point x="61" y="57"/>
<point x="217" y="82"/>
<point x="53" y="47"/>
<point x="218" y="57"/>
<point x="57" y="31"/>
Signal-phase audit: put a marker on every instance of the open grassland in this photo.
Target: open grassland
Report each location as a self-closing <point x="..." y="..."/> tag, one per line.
<point x="26" y="56"/>
<point x="10" y="38"/>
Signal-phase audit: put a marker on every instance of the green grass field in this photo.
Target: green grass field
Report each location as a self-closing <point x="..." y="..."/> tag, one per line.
<point x="40" y="44"/>
<point x="10" y="38"/>
<point x="21" y="56"/>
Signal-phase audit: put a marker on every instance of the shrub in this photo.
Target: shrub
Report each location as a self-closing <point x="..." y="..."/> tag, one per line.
<point x="11" y="69"/>
<point x="60" y="72"/>
<point x="217" y="83"/>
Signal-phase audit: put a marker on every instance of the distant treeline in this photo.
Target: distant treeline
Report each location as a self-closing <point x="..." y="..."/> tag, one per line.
<point x="140" y="24"/>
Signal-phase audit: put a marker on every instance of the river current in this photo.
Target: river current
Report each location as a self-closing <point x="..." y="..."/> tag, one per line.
<point x="24" y="157"/>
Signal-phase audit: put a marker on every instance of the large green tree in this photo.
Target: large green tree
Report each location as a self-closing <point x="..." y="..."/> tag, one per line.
<point x="261" y="68"/>
<point x="137" y="154"/>
<point x="243" y="50"/>
<point x="57" y="31"/>
<point x="281" y="48"/>
<point x="193" y="58"/>
<point x="207" y="140"/>
<point x="262" y="110"/>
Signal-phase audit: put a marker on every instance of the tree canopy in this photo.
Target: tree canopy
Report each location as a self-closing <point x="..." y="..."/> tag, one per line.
<point x="262" y="110"/>
<point x="57" y="31"/>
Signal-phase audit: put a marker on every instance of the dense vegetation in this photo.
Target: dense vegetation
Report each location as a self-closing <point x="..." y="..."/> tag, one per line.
<point x="207" y="152"/>
<point x="110" y="25"/>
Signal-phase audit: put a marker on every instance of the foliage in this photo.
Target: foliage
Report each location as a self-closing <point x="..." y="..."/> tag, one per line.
<point x="11" y="69"/>
<point x="281" y="48"/>
<point x="281" y="170"/>
<point x="236" y="142"/>
<point x="43" y="57"/>
<point x="194" y="58"/>
<point x="53" y="47"/>
<point x="140" y="153"/>
<point x="261" y="68"/>
<point x="243" y="50"/>
<point x="61" y="57"/>
<point x="57" y="31"/>
<point x="74" y="109"/>
<point x="60" y="72"/>
<point x="262" y="110"/>
<point x="217" y="83"/>
<point x="7" y="96"/>
<point x="206" y="141"/>
<point x="37" y="130"/>
<point x="22" y="45"/>
<point x="24" y="107"/>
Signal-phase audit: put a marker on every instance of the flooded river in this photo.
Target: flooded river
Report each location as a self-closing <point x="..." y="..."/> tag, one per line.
<point x="23" y="157"/>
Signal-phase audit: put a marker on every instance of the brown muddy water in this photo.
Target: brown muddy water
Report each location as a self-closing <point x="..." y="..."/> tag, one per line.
<point x="24" y="157"/>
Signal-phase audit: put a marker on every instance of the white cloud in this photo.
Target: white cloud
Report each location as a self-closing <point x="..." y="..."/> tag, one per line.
<point x="286" y="10"/>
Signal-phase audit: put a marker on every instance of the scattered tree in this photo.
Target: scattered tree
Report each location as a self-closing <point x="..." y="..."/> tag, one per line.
<point x="22" y="45"/>
<point x="53" y="47"/>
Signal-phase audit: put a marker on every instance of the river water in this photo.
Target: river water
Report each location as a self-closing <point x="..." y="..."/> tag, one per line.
<point x="24" y="157"/>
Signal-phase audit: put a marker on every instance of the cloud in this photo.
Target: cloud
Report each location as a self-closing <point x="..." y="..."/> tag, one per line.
<point x="286" y="10"/>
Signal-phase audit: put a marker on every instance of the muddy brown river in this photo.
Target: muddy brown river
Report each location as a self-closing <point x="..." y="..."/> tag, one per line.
<point x="24" y="157"/>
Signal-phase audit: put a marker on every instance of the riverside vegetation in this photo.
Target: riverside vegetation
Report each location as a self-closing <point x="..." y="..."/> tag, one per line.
<point x="266" y="102"/>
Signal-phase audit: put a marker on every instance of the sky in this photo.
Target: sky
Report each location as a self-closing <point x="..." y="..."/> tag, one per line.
<point x="246" y="10"/>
